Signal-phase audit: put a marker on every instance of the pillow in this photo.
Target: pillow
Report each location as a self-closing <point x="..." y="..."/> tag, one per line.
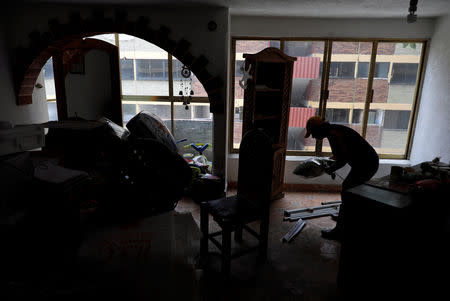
<point x="149" y="125"/>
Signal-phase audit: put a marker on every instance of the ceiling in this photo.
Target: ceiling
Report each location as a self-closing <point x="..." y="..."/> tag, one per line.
<point x="297" y="8"/>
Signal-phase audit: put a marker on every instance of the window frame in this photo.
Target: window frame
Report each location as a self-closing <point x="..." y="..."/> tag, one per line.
<point x="171" y="99"/>
<point x="322" y="105"/>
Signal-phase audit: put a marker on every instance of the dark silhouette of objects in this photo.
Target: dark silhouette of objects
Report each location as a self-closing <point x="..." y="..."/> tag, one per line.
<point x="348" y="147"/>
<point x="251" y="203"/>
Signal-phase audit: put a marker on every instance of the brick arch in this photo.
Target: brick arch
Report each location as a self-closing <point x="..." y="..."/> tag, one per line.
<point x="30" y="60"/>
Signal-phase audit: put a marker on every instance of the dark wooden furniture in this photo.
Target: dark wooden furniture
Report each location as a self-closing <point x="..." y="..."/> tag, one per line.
<point x="251" y="203"/>
<point x="267" y="101"/>
<point x="394" y="244"/>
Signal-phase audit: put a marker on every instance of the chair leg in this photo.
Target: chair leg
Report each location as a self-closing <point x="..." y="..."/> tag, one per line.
<point x="204" y="225"/>
<point x="226" y="250"/>
<point x="238" y="234"/>
<point x="263" y="240"/>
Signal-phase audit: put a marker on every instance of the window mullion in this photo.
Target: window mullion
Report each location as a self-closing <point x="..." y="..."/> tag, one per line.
<point x="324" y="87"/>
<point x="232" y="94"/>
<point x="414" y="107"/>
<point x="172" y="106"/>
<point x="116" y="40"/>
<point x="369" y="92"/>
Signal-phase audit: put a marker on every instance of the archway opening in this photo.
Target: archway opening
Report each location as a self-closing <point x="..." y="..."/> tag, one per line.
<point x="151" y="79"/>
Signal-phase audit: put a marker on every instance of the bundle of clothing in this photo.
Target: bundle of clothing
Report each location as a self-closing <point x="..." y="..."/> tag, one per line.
<point x="313" y="167"/>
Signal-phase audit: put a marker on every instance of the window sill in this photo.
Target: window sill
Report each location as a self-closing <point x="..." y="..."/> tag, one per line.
<point x="382" y="161"/>
<point x="303" y="158"/>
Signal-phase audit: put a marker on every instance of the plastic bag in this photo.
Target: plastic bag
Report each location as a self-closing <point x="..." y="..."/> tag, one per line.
<point x="312" y="168"/>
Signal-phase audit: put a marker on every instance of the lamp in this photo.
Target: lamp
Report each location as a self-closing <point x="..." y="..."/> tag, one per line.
<point x="412" y="17"/>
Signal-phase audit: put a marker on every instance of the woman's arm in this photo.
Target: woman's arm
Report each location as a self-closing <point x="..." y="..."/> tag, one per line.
<point x="339" y="150"/>
<point x="337" y="164"/>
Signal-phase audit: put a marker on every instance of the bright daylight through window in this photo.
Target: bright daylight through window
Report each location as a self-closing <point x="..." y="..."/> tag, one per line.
<point x="383" y="114"/>
<point x="146" y="79"/>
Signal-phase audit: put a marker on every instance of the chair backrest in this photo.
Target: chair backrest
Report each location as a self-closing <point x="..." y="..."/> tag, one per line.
<point x="255" y="168"/>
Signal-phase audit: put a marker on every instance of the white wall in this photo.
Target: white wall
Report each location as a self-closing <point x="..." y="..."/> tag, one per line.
<point x="327" y="28"/>
<point x="432" y="134"/>
<point x="188" y="22"/>
<point x="89" y="94"/>
<point x="247" y="26"/>
<point x="9" y="111"/>
<point x="293" y="161"/>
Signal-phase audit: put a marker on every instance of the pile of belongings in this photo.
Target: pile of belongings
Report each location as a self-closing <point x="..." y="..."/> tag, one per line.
<point x="137" y="168"/>
<point x="313" y="167"/>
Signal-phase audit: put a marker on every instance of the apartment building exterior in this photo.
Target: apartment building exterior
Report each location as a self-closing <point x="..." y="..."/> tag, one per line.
<point x="151" y="80"/>
<point x="148" y="83"/>
<point x="396" y="69"/>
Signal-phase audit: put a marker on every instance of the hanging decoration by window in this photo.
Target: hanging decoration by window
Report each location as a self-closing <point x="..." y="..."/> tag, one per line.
<point x="186" y="91"/>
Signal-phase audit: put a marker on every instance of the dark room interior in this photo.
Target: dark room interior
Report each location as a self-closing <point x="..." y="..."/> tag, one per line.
<point x="206" y="150"/>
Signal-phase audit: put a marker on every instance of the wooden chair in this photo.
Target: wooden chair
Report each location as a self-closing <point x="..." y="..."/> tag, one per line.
<point x="251" y="203"/>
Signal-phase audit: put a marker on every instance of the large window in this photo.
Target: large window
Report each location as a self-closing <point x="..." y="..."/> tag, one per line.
<point x="241" y="47"/>
<point x="146" y="80"/>
<point x="151" y="80"/>
<point x="369" y="86"/>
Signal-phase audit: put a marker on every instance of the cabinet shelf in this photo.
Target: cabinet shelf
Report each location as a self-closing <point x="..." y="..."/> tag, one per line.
<point x="266" y="104"/>
<point x="265" y="117"/>
<point x="264" y="88"/>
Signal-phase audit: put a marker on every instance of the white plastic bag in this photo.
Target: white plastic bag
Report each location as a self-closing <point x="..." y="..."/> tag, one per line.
<point x="312" y="168"/>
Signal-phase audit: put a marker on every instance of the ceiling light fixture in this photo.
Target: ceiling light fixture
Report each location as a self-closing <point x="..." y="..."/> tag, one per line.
<point x="412" y="17"/>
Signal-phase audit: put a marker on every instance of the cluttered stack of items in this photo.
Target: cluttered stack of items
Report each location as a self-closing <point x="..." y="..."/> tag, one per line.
<point x="121" y="173"/>
<point x="419" y="181"/>
<point x="134" y="170"/>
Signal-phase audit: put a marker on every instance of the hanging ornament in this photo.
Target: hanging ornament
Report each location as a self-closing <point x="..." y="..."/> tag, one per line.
<point x="185" y="72"/>
<point x="185" y="87"/>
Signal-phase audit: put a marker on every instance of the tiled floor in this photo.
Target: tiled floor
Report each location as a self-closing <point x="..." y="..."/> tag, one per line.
<point x="304" y="269"/>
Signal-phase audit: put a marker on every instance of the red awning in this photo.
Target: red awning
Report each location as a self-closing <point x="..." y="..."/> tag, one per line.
<point x="299" y="116"/>
<point x="306" y="67"/>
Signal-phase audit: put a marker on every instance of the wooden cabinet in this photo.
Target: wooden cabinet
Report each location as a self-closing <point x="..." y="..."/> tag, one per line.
<point x="267" y="99"/>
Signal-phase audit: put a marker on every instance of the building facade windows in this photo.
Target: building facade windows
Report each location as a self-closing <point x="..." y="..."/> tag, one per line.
<point x="374" y="117"/>
<point x="379" y="106"/>
<point x="404" y="73"/>
<point x="152" y="69"/>
<point x="127" y="69"/>
<point x="381" y="70"/>
<point x="396" y="120"/>
<point x="342" y="69"/>
<point x="338" y="115"/>
<point x="147" y="83"/>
